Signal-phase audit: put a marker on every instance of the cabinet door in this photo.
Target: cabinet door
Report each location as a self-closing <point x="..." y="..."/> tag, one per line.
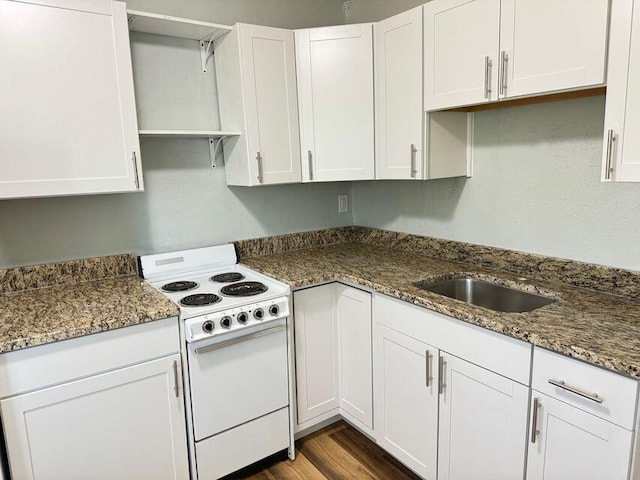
<point x="621" y="149"/>
<point x="67" y="115"/>
<point x="271" y="103"/>
<point x="461" y="44"/>
<point x="570" y="443"/>
<point x="406" y="400"/>
<point x="316" y="351"/>
<point x="548" y="45"/>
<point x="483" y="424"/>
<point x="335" y="83"/>
<point x="398" y="69"/>
<point x="354" y="347"/>
<point x="129" y="423"/>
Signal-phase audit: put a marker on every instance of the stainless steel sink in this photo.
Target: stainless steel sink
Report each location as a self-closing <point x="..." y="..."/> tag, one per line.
<point x="487" y="294"/>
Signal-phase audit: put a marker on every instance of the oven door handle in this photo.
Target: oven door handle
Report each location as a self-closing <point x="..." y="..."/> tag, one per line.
<point x="244" y="338"/>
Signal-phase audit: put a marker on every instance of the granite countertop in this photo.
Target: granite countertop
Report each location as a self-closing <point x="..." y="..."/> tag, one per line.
<point x="44" y="315"/>
<point x="600" y="328"/>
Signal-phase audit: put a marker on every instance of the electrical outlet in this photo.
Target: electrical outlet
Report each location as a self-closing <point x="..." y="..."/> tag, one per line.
<point x="343" y="203"/>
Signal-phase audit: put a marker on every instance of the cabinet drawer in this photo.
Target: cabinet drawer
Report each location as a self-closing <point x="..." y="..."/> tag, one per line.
<point x="600" y="392"/>
<point x="490" y="350"/>
<point x="60" y="362"/>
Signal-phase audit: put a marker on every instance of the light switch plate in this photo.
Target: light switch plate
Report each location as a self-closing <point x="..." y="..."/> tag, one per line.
<point x="343" y="203"/>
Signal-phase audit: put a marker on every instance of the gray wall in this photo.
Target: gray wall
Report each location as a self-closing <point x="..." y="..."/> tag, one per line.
<point x="535" y="186"/>
<point x="186" y="204"/>
<point x="357" y="11"/>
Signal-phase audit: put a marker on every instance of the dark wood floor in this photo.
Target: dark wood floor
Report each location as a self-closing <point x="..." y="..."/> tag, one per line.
<point x="334" y="453"/>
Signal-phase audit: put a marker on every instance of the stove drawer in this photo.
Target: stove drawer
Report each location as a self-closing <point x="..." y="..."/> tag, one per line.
<point x="236" y="381"/>
<point x="241" y="446"/>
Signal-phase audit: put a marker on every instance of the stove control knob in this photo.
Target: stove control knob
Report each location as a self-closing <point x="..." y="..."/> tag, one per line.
<point x="242" y="318"/>
<point x="274" y="310"/>
<point x="258" y="314"/>
<point x="225" y="322"/>
<point x="207" y="327"/>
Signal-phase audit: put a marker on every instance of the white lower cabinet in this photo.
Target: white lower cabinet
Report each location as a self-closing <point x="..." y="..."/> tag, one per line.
<point x="566" y="442"/>
<point x="406" y="399"/>
<point x="316" y="351"/>
<point x="333" y="355"/>
<point x="354" y="353"/>
<point x="128" y="423"/>
<point x="483" y="423"/>
<point x="104" y="406"/>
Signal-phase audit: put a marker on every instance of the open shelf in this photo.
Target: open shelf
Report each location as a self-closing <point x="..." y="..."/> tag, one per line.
<point x="214" y="137"/>
<point x="188" y="133"/>
<point x="158" y="24"/>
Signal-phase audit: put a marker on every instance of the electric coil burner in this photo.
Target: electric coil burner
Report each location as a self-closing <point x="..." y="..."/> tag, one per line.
<point x="200" y="300"/>
<point x="228" y="277"/>
<point x="180" y="286"/>
<point x="244" y="289"/>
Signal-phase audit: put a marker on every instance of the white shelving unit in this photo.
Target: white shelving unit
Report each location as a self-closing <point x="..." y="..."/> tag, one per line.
<point x="205" y="33"/>
<point x="215" y="138"/>
<point x="158" y="24"/>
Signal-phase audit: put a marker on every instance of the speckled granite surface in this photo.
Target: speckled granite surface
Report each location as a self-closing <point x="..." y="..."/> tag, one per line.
<point x="71" y="299"/>
<point x="604" y="279"/>
<point x="600" y="328"/>
<point x="66" y="273"/>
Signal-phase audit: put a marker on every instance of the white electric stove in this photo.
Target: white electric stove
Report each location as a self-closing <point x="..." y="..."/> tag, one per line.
<point x="236" y="352"/>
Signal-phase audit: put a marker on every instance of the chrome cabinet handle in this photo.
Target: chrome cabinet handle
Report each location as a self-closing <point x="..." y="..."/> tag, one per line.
<point x="442" y="365"/>
<point x="427" y="359"/>
<point x="594" y="397"/>
<point x="310" y="159"/>
<point x="414" y="151"/>
<point x="260" y="172"/>
<point x="136" y="179"/>
<point x="234" y="341"/>
<point x="488" y="64"/>
<point x="534" y="420"/>
<point x="176" y="388"/>
<point x="504" y="57"/>
<point x="611" y="137"/>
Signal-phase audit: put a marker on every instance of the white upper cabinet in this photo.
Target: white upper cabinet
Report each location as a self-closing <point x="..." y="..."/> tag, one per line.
<point x="335" y="87"/>
<point x="461" y="42"/>
<point x="398" y="74"/>
<point x="67" y="115"/>
<point x="483" y="50"/>
<point x="255" y="69"/>
<point x="547" y="45"/>
<point x="621" y="153"/>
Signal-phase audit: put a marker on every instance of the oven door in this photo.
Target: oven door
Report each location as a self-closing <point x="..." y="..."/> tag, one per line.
<point x="237" y="380"/>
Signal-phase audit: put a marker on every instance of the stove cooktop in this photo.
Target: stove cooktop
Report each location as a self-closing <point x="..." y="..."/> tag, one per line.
<point x="213" y="291"/>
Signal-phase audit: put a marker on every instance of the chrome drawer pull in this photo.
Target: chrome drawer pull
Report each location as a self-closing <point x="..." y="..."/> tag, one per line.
<point x="591" y="396"/>
<point x="244" y="338"/>
<point x="488" y="64"/>
<point x="534" y="420"/>
<point x="427" y="359"/>
<point x="260" y="172"/>
<point x="442" y="366"/>
<point x="176" y="388"/>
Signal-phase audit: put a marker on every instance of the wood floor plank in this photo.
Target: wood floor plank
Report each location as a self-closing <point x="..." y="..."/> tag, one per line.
<point x="337" y="452"/>
<point x="300" y="469"/>
<point x="334" y="461"/>
<point x="372" y="456"/>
